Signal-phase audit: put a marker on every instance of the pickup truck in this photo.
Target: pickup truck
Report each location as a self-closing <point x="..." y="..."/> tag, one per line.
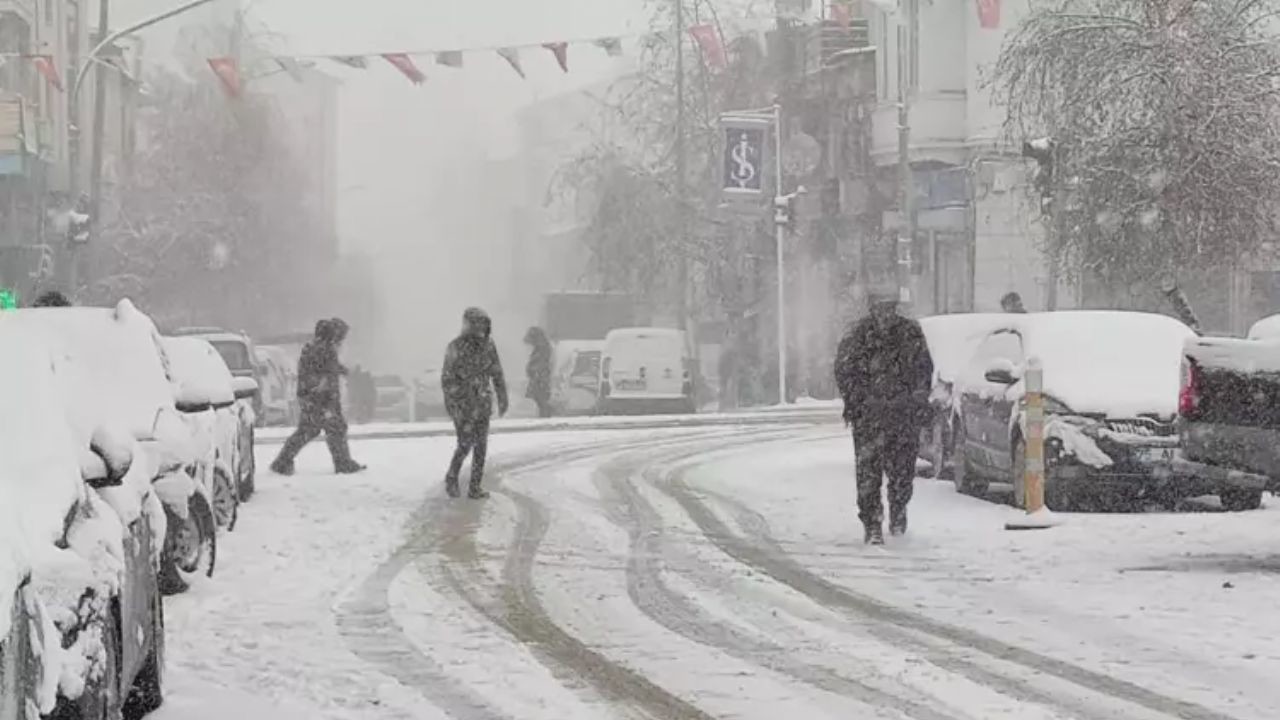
<point x="1229" y="414"/>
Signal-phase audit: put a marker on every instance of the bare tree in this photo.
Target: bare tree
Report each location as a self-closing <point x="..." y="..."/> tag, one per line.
<point x="1162" y="121"/>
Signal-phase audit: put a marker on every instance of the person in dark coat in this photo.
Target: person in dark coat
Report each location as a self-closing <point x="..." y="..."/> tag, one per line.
<point x="885" y="373"/>
<point x="1012" y="303"/>
<point x="471" y="376"/>
<point x="52" y="298"/>
<point x="539" y="370"/>
<point x="320" y="397"/>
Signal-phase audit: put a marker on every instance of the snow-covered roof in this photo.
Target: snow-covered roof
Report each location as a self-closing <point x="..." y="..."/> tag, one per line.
<point x="1266" y="328"/>
<point x="1122" y="364"/>
<point x="199" y="373"/>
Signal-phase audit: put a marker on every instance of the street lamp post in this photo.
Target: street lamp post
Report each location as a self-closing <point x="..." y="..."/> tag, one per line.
<point x="99" y="113"/>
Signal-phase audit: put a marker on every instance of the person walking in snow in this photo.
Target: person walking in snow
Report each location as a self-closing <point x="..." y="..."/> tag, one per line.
<point x="1012" y="303"/>
<point x="471" y="376"/>
<point x="884" y="372"/>
<point x="320" y="397"/>
<point x="539" y="370"/>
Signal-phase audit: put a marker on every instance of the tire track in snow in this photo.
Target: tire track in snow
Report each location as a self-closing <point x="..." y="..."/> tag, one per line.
<point x="653" y="597"/>
<point x="762" y="552"/>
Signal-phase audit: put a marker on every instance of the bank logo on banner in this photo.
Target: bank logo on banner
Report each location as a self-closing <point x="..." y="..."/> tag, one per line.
<point x="744" y="157"/>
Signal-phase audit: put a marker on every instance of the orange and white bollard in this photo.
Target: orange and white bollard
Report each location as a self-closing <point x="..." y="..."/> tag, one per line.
<point x="1037" y="515"/>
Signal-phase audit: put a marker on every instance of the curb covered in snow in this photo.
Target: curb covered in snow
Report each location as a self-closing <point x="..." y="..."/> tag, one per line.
<point x="816" y="414"/>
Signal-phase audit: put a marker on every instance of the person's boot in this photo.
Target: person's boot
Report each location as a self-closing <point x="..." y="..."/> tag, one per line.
<point x="451" y="487"/>
<point x="281" y="467"/>
<point x="898" y="521"/>
<point x="874" y="534"/>
<point x="476" y="492"/>
<point x="350" y="467"/>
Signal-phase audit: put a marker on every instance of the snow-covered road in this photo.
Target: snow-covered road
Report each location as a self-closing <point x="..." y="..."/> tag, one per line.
<point x="710" y="573"/>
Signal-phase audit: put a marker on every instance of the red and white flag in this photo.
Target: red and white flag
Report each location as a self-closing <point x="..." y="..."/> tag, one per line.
<point x="989" y="14"/>
<point x="405" y="65"/>
<point x="561" y="51"/>
<point x="229" y="73"/>
<point x="713" y="52"/>
<point x="44" y="66"/>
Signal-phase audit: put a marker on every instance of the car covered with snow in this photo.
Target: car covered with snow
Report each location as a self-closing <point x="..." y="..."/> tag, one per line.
<point x="278" y="377"/>
<point x="81" y="532"/>
<point x="121" y="372"/>
<point x="1111" y="384"/>
<point x="575" y="379"/>
<point x="952" y="340"/>
<point x="646" y="370"/>
<point x="236" y="349"/>
<point x="207" y="395"/>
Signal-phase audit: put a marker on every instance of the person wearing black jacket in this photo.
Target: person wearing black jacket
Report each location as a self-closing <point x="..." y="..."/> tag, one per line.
<point x="885" y="374"/>
<point x="539" y="370"/>
<point x="320" y="397"/>
<point x="471" y="376"/>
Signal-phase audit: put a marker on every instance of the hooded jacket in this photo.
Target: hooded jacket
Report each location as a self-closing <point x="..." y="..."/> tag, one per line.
<point x="319" y="370"/>
<point x="472" y="370"/>
<point x="885" y="374"/>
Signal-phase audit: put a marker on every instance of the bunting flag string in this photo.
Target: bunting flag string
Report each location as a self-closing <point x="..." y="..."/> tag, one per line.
<point x="708" y="39"/>
<point x="44" y="66"/>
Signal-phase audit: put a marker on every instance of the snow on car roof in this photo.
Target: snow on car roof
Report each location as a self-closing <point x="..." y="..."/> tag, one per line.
<point x="1120" y="363"/>
<point x="39" y="460"/>
<point x="952" y="339"/>
<point x="1266" y="328"/>
<point x="200" y="374"/>
<point x="119" y="367"/>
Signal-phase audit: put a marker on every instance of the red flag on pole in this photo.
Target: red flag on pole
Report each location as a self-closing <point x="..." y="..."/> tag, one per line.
<point x="44" y="65"/>
<point x="989" y="14"/>
<point x="405" y="65"/>
<point x="712" y="48"/>
<point x="561" y="51"/>
<point x="228" y="72"/>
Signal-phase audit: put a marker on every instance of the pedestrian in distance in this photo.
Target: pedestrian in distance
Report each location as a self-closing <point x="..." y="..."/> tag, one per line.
<point x="320" y="399"/>
<point x="471" y="376"/>
<point x="885" y="373"/>
<point x="1012" y="303"/>
<point x="539" y="370"/>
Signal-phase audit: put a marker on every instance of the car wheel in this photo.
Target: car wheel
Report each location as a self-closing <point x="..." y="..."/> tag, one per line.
<point x="226" y="500"/>
<point x="100" y="699"/>
<point x="967" y="482"/>
<point x="147" y="694"/>
<point x="191" y="547"/>
<point x="1237" y="500"/>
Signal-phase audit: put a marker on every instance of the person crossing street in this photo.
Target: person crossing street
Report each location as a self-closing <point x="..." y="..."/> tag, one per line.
<point x="471" y="376"/>
<point x="320" y="397"/>
<point x="885" y="373"/>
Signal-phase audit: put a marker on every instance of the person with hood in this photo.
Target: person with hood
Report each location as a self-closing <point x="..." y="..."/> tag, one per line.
<point x="320" y="398"/>
<point x="52" y="298"/>
<point x="539" y="370"/>
<point x="472" y="374"/>
<point x="885" y="374"/>
<point x="1012" y="303"/>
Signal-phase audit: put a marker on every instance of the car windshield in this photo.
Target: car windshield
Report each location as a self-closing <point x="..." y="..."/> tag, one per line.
<point x="234" y="354"/>
<point x="587" y="363"/>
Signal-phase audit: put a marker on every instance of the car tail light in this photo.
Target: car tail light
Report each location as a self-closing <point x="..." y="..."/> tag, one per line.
<point x="1189" y="394"/>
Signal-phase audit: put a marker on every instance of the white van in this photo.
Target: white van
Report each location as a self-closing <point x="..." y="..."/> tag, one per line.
<point x="646" y="370"/>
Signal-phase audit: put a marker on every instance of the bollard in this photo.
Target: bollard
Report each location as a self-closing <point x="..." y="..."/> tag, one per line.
<point x="1037" y="516"/>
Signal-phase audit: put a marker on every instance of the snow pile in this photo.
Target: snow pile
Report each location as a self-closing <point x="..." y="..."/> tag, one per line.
<point x="200" y="375"/>
<point x="1078" y="440"/>
<point x="953" y="339"/>
<point x="1121" y="364"/>
<point x="1242" y="356"/>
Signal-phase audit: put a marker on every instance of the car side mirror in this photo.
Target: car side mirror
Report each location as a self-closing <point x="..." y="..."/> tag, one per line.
<point x="1002" y="372"/>
<point x="244" y="388"/>
<point x="107" y="460"/>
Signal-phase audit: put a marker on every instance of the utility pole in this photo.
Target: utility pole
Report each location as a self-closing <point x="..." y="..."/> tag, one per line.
<point x="99" y="125"/>
<point x="682" y="307"/>
<point x="780" y="237"/>
<point x="907" y="190"/>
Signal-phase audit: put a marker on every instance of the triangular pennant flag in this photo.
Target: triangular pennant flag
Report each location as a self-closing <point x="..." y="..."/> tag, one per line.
<point x="291" y="66"/>
<point x="449" y="58"/>
<point x="561" y="51"/>
<point x="512" y="56"/>
<point x="611" y="45"/>
<point x="713" y="52"/>
<point x="44" y="65"/>
<point x="989" y="14"/>
<point x="228" y="72"/>
<point x="404" y="64"/>
<point x="354" y="61"/>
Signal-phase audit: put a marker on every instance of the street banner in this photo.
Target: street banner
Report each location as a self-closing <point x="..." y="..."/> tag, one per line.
<point x="745" y="139"/>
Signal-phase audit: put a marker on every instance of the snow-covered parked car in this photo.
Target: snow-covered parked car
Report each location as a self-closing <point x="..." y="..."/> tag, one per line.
<point x="1111" y="384"/>
<point x="207" y="395"/>
<point x="952" y="340"/>
<point x="122" y="373"/>
<point x="81" y="532"/>
<point x="236" y="349"/>
<point x="279" y="380"/>
<point x="575" y="379"/>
